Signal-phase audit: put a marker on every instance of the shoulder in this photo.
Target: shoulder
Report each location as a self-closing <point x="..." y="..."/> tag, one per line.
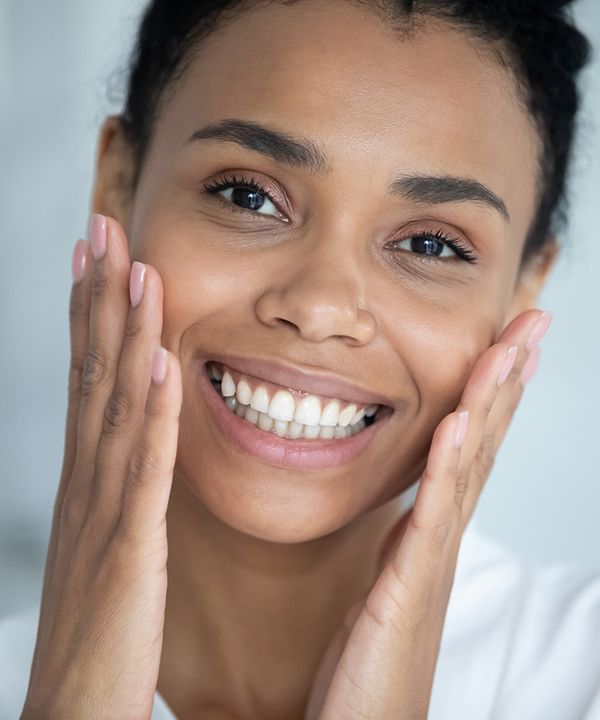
<point x="520" y="639"/>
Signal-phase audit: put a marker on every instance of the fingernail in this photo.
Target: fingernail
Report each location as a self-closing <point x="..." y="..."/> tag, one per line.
<point x="539" y="330"/>
<point x="509" y="361"/>
<point x="159" y="365"/>
<point x="136" y="282"/>
<point x="461" y="428"/>
<point x="98" y="235"/>
<point x="531" y="365"/>
<point x="78" y="261"/>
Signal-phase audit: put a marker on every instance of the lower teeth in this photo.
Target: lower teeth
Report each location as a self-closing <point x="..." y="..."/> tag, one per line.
<point x="290" y="430"/>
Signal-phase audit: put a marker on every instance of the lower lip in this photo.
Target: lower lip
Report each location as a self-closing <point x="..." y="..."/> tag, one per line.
<point x="271" y="448"/>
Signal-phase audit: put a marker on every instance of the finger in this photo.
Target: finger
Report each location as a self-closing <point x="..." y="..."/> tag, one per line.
<point x="79" y="310"/>
<point x="108" y="311"/>
<point x="418" y="554"/>
<point x="124" y="413"/>
<point x="527" y="334"/>
<point x="148" y="485"/>
<point x="501" y="404"/>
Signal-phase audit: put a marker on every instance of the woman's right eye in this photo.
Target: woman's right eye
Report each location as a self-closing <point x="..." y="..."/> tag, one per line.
<point x="248" y="199"/>
<point x="246" y="196"/>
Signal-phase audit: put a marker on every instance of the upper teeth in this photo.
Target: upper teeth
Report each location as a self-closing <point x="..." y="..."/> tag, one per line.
<point x="282" y="405"/>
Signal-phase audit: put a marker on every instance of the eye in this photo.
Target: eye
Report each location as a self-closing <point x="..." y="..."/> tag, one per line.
<point x="244" y="195"/>
<point x="433" y="245"/>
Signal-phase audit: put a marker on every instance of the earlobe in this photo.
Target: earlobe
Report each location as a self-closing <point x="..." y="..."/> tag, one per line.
<point x="532" y="278"/>
<point x="112" y="191"/>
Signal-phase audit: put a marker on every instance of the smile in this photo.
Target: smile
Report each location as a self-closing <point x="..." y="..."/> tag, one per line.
<point x="288" y="427"/>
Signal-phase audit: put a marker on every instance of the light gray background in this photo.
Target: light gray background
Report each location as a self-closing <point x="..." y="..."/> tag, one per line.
<point x="56" y="59"/>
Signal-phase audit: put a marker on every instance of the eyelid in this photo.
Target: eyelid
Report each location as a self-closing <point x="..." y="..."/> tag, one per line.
<point x="229" y="180"/>
<point x="433" y="228"/>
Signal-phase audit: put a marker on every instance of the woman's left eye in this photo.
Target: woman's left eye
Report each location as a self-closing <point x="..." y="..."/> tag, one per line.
<point x="435" y="245"/>
<point x="244" y="195"/>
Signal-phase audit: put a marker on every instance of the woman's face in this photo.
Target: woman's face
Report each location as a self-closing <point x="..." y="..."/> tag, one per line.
<point x="324" y="276"/>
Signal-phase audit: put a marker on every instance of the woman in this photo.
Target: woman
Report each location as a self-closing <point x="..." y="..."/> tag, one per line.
<point x="319" y="232"/>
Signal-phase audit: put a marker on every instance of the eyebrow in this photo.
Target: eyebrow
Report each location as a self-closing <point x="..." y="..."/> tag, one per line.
<point x="304" y="154"/>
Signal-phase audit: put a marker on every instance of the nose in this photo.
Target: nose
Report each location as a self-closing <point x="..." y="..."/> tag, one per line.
<point x="320" y="296"/>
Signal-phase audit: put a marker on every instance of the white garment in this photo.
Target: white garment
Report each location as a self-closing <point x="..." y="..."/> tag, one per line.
<point x="520" y="642"/>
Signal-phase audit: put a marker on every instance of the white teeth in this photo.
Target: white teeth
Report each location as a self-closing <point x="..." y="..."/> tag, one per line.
<point x="243" y="392"/>
<point x="295" y="429"/>
<point x="282" y="415"/>
<point x="358" y="427"/>
<point x="281" y="427"/>
<point x="282" y="406"/>
<point x="312" y="431"/>
<point x="346" y="415"/>
<point x="308" y="410"/>
<point x="214" y="372"/>
<point x="357" y="416"/>
<point x="227" y="385"/>
<point x="329" y="416"/>
<point x="260" y="400"/>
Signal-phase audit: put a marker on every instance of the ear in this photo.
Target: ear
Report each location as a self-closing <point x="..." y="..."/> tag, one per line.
<point x="113" y="188"/>
<point x="532" y="278"/>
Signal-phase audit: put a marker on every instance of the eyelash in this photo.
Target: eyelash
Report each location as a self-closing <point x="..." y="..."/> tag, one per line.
<point x="249" y="183"/>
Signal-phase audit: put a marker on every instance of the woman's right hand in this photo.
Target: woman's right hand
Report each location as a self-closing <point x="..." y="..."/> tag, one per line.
<point x="101" y="620"/>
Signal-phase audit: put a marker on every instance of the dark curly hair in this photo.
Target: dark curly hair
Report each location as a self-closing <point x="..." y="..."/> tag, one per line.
<point x="536" y="39"/>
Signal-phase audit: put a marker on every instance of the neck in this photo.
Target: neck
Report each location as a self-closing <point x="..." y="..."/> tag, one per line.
<point x="247" y="621"/>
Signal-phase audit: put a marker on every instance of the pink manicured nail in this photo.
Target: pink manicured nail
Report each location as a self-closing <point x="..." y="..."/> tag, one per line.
<point x="539" y="330"/>
<point x="136" y="282"/>
<point x="511" y="355"/>
<point x="531" y="365"/>
<point x="461" y="428"/>
<point x="159" y="365"/>
<point x="98" y="232"/>
<point x="78" y="261"/>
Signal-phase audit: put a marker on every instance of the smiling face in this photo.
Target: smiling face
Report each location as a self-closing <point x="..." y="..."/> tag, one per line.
<point x="345" y="255"/>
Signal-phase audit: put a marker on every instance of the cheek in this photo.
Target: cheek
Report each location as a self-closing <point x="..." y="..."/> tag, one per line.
<point x="202" y="285"/>
<point x="439" y="346"/>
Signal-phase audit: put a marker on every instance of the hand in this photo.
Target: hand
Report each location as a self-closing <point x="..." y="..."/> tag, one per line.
<point x="381" y="663"/>
<point x="101" y="618"/>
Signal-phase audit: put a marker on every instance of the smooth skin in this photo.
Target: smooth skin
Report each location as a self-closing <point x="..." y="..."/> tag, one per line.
<point x="271" y="570"/>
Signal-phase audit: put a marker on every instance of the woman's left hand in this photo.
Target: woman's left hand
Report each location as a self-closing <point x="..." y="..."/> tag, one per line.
<point x="381" y="663"/>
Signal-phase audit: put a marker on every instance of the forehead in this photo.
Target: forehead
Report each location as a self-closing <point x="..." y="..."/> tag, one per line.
<point x="435" y="101"/>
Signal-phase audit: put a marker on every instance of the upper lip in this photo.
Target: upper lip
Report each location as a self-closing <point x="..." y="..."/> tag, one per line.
<point x="295" y="378"/>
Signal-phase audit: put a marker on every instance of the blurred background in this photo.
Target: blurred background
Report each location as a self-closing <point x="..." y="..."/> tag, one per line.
<point x="61" y="70"/>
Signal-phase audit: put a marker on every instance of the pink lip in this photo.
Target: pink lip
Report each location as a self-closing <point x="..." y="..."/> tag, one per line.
<point x="295" y="379"/>
<point x="267" y="446"/>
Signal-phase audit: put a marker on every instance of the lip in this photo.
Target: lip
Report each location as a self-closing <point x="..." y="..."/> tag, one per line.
<point x="272" y="449"/>
<point x="294" y="378"/>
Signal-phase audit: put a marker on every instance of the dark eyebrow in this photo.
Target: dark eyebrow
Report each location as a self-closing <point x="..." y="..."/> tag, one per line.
<point x="305" y="154"/>
<point x="268" y="141"/>
<point x="444" y="189"/>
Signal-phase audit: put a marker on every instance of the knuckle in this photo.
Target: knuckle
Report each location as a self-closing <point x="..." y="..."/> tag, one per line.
<point x="93" y="373"/>
<point x="144" y="467"/>
<point x="99" y="282"/>
<point x="77" y="304"/>
<point x="133" y="330"/>
<point x="461" y="486"/>
<point x="438" y="535"/>
<point x="119" y="411"/>
<point x="72" y="515"/>
<point x="485" y="457"/>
